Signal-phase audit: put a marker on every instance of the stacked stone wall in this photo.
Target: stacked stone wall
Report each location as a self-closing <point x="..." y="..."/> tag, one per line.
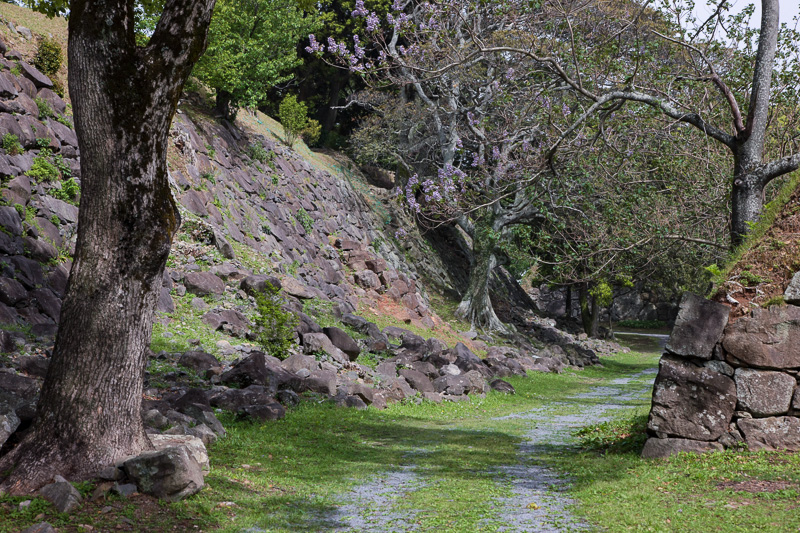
<point x="727" y="384"/>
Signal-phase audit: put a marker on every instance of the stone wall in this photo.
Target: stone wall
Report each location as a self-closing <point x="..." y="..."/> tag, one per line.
<point x="634" y="303"/>
<point x="727" y="384"/>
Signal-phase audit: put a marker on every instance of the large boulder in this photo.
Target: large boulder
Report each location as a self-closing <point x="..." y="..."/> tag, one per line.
<point x="763" y="392"/>
<point x="656" y="448"/>
<point x="203" y="284"/>
<point x="767" y="339"/>
<point x="64" y="497"/>
<point x="314" y="343"/>
<point x="690" y="401"/>
<point x="343" y="341"/>
<point x="698" y="328"/>
<point x="417" y="380"/>
<point x="774" y="433"/>
<point x="171" y="474"/>
<point x="198" y="361"/>
<point x="9" y="422"/>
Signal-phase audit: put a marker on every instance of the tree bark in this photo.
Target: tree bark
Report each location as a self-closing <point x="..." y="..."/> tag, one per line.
<point x="223" y="106"/>
<point x="124" y="98"/>
<point x="476" y="305"/>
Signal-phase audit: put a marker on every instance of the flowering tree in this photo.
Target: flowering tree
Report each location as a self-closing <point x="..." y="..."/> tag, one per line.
<point x="487" y="136"/>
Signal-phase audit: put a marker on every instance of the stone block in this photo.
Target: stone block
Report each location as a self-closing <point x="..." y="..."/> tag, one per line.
<point x="774" y="433"/>
<point x="698" y="328"/>
<point x="690" y="401"/>
<point x="656" y="448"/>
<point x="763" y="392"/>
<point x="767" y="339"/>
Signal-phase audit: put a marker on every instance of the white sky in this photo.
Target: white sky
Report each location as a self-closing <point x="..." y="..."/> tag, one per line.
<point x="788" y="10"/>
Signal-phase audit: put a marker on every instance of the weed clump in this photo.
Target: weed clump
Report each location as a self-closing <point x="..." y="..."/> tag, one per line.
<point x="275" y="325"/>
<point x="48" y="57"/>
<point x="11" y="144"/>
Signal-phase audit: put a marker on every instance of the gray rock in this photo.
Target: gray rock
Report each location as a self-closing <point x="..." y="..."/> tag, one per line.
<point x="41" y="527"/>
<point x="453" y="385"/>
<point x="9" y="422"/>
<point x="720" y="366"/>
<point x="194" y="447"/>
<point x="171" y="474"/>
<point x="321" y="381"/>
<point x="656" y="448"/>
<point x="764" y="393"/>
<point x="33" y="365"/>
<point x="792" y="293"/>
<point x="367" y="279"/>
<point x="288" y="398"/>
<point x="126" y="490"/>
<point x="64" y="497"/>
<point x="234" y="399"/>
<point x="690" y="402"/>
<point x="204" y="433"/>
<point x="294" y="288"/>
<point x="314" y="343"/>
<point x="263" y="412"/>
<point x="502" y="386"/>
<point x="774" y="433"/>
<point x="223" y="246"/>
<point x="203" y="283"/>
<point x="296" y="362"/>
<point x="257" y="284"/>
<point x="768" y="339"/>
<point x="417" y="380"/>
<point x="198" y="361"/>
<point x="698" y="328"/>
<point x="343" y="341"/>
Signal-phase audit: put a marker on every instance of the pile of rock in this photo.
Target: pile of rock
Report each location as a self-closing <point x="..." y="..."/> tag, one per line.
<point x="724" y="384"/>
<point x="36" y="226"/>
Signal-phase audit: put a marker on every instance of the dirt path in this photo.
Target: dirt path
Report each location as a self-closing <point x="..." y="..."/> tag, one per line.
<point x="537" y="503"/>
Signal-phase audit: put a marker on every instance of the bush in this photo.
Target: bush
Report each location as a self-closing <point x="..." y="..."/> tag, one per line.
<point x="11" y="144"/>
<point x="294" y="118"/>
<point x="45" y="110"/>
<point x="68" y="192"/>
<point x="259" y="153"/>
<point x="42" y="169"/>
<point x="275" y="326"/>
<point x="48" y="57"/>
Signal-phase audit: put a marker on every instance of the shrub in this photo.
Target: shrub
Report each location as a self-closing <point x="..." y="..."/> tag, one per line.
<point x="48" y="57"/>
<point x="312" y="131"/>
<point x="11" y="144"/>
<point x="275" y="326"/>
<point x="45" y="110"/>
<point x="42" y="169"/>
<point x="259" y="153"/>
<point x="68" y="192"/>
<point x="294" y="118"/>
<point x="305" y="220"/>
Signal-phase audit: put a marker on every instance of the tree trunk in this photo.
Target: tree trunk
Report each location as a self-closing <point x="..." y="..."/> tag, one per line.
<point x="747" y="200"/>
<point x="586" y="312"/>
<point x="124" y="98"/>
<point x="476" y="306"/>
<point x="223" y="106"/>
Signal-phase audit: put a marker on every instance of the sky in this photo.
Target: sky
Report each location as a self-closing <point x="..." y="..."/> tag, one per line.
<point x="788" y="10"/>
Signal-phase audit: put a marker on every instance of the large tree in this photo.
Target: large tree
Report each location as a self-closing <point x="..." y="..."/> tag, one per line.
<point x="251" y="47"/>
<point x="124" y="98"/>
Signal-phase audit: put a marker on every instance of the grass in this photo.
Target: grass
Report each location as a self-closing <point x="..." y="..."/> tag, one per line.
<point x="291" y="475"/>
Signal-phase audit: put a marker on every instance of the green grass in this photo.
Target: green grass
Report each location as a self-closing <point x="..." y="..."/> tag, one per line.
<point x="291" y="475"/>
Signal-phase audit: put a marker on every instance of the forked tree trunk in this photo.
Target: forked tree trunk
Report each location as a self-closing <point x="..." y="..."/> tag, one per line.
<point x="124" y="99"/>
<point x="747" y="201"/>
